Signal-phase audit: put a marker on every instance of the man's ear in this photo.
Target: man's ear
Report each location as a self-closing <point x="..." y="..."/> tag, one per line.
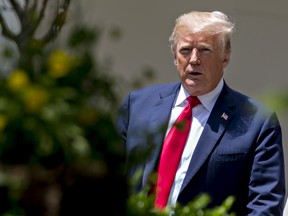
<point x="226" y="59"/>
<point x="175" y="62"/>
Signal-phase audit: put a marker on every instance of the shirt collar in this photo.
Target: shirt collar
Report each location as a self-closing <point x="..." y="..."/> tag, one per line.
<point x="207" y="100"/>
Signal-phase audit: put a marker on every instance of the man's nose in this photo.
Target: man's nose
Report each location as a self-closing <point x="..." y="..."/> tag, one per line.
<point x="194" y="58"/>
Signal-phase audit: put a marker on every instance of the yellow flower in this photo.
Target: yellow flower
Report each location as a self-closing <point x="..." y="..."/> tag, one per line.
<point x="59" y="63"/>
<point x="35" y="98"/>
<point x="18" y="80"/>
<point x="3" y="121"/>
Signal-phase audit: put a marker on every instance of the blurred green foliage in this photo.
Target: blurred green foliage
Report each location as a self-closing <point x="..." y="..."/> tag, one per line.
<point x="142" y="203"/>
<point x="57" y="134"/>
<point x="59" y="151"/>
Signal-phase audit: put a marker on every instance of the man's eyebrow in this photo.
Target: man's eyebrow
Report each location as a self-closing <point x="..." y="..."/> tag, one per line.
<point x="205" y="45"/>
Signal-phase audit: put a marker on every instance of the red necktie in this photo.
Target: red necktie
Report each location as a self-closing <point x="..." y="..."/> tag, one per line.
<point x="171" y="153"/>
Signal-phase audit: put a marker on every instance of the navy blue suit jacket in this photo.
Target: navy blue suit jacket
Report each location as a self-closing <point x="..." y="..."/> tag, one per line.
<point x="240" y="154"/>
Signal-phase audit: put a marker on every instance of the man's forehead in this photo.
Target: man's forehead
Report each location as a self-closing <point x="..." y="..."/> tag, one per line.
<point x="199" y="38"/>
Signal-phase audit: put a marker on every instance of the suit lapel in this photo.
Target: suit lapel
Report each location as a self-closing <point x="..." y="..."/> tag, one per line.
<point x="158" y="122"/>
<point x="220" y="117"/>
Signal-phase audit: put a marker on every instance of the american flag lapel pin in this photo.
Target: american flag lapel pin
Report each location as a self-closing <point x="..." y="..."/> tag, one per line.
<point x="224" y="116"/>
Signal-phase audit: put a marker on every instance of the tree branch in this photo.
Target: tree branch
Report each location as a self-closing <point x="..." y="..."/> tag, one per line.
<point x="16" y="7"/>
<point x="66" y="4"/>
<point x="41" y="14"/>
<point x="26" y="4"/>
<point x="5" y="30"/>
<point x="58" y="23"/>
<point x="34" y="5"/>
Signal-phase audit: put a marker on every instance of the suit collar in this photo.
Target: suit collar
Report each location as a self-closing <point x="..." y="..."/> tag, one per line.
<point x="160" y="114"/>
<point x="208" y="100"/>
<point x="172" y="90"/>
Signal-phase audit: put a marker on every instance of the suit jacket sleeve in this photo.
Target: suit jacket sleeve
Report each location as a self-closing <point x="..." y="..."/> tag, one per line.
<point x="267" y="181"/>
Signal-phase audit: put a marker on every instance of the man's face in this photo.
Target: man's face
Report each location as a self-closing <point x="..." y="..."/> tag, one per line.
<point x="200" y="61"/>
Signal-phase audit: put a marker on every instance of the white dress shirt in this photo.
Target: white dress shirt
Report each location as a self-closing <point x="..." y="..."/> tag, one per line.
<point x="285" y="213"/>
<point x="200" y="116"/>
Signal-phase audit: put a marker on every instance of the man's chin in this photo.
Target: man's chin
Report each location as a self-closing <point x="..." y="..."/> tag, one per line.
<point x="192" y="87"/>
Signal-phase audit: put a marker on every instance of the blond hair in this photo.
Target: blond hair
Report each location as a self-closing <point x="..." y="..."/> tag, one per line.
<point x="212" y="23"/>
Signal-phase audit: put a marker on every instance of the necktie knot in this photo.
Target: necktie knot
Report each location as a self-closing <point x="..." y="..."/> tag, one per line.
<point x="193" y="101"/>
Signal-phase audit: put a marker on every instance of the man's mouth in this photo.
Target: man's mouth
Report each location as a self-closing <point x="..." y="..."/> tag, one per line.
<point x="195" y="73"/>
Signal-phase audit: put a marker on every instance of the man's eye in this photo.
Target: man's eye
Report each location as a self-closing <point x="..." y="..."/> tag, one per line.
<point x="204" y="49"/>
<point x="185" y="51"/>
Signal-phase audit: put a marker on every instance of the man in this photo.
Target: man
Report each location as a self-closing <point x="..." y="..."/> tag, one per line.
<point x="234" y="143"/>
